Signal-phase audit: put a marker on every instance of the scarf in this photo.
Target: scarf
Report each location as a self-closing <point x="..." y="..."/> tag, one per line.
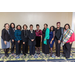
<point x="66" y="36"/>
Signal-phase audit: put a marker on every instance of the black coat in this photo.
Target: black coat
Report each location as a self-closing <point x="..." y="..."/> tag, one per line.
<point x="12" y="33"/>
<point x="5" y="35"/>
<point x="29" y="37"/>
<point x="24" y="36"/>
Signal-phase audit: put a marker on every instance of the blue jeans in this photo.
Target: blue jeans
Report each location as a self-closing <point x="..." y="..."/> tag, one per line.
<point x="32" y="49"/>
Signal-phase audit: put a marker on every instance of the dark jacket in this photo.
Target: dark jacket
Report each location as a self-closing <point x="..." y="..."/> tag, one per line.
<point x="59" y="34"/>
<point x="30" y="37"/>
<point x="24" y="35"/>
<point x="5" y="35"/>
<point x="12" y="33"/>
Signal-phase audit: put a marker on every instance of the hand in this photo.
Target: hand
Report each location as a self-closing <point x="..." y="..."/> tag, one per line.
<point x="44" y="39"/>
<point x="5" y="42"/>
<point x="18" y="41"/>
<point x="70" y="42"/>
<point x="58" y="41"/>
<point x="51" y="42"/>
<point x="41" y="40"/>
<point x="23" y="42"/>
<point x="32" y="39"/>
<point x="12" y="40"/>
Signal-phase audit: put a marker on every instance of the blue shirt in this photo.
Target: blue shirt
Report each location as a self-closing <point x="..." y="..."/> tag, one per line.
<point x="18" y="35"/>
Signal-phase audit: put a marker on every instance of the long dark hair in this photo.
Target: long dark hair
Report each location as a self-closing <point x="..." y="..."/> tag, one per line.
<point x="67" y="24"/>
<point x="11" y="24"/>
<point x="53" y="28"/>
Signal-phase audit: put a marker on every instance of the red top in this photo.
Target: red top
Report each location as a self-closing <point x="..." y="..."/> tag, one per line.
<point x="38" y="32"/>
<point x="71" y="39"/>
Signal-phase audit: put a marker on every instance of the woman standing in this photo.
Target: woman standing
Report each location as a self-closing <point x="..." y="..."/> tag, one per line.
<point x="68" y="38"/>
<point x="51" y="38"/>
<point x="24" y="36"/>
<point x="31" y="41"/>
<point x="18" y="39"/>
<point x="5" y="39"/>
<point x="46" y="39"/>
<point x="58" y="38"/>
<point x="38" y="33"/>
<point x="43" y="36"/>
<point x="12" y="36"/>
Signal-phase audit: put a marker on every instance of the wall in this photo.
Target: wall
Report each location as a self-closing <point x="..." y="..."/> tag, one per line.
<point x="35" y="17"/>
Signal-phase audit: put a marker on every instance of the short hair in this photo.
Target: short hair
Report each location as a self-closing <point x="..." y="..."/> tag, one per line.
<point x="25" y="25"/>
<point x="5" y="24"/>
<point x="17" y="27"/>
<point x="58" y="23"/>
<point x="53" y="28"/>
<point x="37" y="25"/>
<point x="31" y="25"/>
<point x="46" y="24"/>
<point x="11" y="24"/>
<point x="67" y="24"/>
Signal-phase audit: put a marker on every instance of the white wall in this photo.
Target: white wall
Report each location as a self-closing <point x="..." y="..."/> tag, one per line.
<point x="35" y="17"/>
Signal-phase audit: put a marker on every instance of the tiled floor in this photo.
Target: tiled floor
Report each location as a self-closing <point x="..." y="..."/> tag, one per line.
<point x="37" y="58"/>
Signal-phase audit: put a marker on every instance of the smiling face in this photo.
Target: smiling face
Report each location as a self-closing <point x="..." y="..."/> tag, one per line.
<point x="31" y="27"/>
<point x="58" y="25"/>
<point x="19" y="27"/>
<point x="66" y="27"/>
<point x="6" y="26"/>
<point x="12" y="25"/>
<point x="51" y="28"/>
<point x="25" y="27"/>
<point x="37" y="27"/>
<point x="45" y="26"/>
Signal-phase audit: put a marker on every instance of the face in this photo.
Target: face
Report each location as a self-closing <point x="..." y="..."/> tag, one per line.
<point x="25" y="27"/>
<point x="51" y="28"/>
<point x="12" y="25"/>
<point x="37" y="27"/>
<point x="58" y="25"/>
<point x="7" y="26"/>
<point x="31" y="27"/>
<point x="45" y="26"/>
<point x="66" y="27"/>
<point x="18" y="27"/>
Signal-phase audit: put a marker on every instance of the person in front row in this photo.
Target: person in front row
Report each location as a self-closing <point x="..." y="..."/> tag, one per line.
<point x="18" y="39"/>
<point x="46" y="39"/>
<point x="68" y="39"/>
<point x="24" y="36"/>
<point x="38" y="33"/>
<point x="12" y="36"/>
<point x="58" y="38"/>
<point x="51" y="38"/>
<point x="5" y="39"/>
<point x="31" y="41"/>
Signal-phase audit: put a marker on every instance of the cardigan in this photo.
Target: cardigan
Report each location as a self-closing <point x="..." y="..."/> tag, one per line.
<point x="46" y="36"/>
<point x="18" y="35"/>
<point x="5" y="35"/>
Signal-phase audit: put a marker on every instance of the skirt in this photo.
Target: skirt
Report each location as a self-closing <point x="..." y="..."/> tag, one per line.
<point x="46" y="48"/>
<point x="38" y="39"/>
<point x="5" y="46"/>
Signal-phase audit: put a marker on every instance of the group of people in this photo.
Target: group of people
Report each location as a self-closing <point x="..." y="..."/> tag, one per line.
<point x="61" y="36"/>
